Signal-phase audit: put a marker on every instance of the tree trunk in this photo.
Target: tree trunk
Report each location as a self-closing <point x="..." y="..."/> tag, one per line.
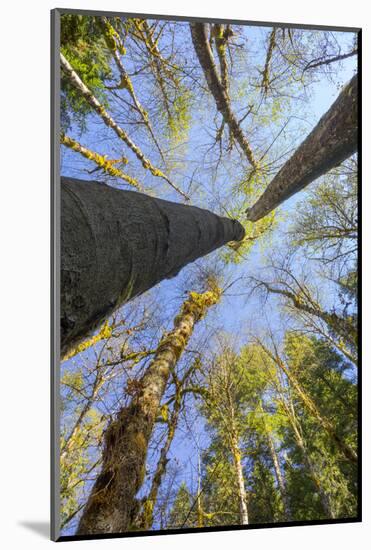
<point x="117" y="244"/>
<point x="347" y="451"/>
<point x="206" y="59"/>
<point x="236" y="454"/>
<point x="271" y="45"/>
<point x="233" y="436"/>
<point x="200" y="512"/>
<point x="111" y="506"/>
<point x="145" y="519"/>
<point x="221" y="40"/>
<point x="333" y="140"/>
<point x="325" y="500"/>
<point x="69" y="441"/>
<point x="279" y="476"/>
<point x="310" y="405"/>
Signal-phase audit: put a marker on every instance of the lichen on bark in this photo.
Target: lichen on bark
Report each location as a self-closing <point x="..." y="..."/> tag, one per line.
<point x="112" y="506"/>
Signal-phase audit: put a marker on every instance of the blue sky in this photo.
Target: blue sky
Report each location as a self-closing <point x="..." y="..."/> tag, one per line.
<point x="237" y="313"/>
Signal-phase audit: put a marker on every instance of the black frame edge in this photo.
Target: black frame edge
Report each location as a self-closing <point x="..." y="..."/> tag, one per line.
<point x="55" y="278"/>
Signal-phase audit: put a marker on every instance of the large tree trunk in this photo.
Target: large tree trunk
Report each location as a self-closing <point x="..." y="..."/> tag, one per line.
<point x="332" y="141"/>
<point x="112" y="506"/>
<point x="117" y="244"/>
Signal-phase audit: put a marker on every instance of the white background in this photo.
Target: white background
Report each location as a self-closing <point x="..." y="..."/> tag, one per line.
<point x="24" y="272"/>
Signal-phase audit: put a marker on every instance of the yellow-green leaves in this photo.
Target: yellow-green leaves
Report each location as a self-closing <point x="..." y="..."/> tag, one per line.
<point x="104" y="333"/>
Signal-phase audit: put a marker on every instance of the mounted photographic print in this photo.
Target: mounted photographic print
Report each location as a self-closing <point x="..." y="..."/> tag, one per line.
<point x="205" y="274"/>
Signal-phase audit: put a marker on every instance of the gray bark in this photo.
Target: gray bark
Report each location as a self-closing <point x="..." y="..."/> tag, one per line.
<point x="117" y="244"/>
<point x="332" y="140"/>
<point x="279" y="476"/>
<point x="206" y="59"/>
<point x="242" y="497"/>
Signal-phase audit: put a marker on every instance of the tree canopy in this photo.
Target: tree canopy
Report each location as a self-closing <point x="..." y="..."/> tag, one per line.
<point x="209" y="274"/>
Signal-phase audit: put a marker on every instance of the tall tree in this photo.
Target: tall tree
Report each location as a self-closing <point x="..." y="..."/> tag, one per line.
<point x="111" y="506"/>
<point x="201" y="44"/>
<point x="222" y="399"/>
<point x="332" y="140"/>
<point x="145" y="517"/>
<point x="276" y="464"/>
<point x="117" y="244"/>
<point x="316" y="472"/>
<point x="347" y="450"/>
<point x="234" y="384"/>
<point x="308" y="462"/>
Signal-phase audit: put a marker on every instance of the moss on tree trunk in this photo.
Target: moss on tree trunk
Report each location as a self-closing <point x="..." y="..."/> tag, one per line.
<point x="112" y="506"/>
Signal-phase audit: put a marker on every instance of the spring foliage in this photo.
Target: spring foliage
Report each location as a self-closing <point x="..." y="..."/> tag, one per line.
<point x="261" y="396"/>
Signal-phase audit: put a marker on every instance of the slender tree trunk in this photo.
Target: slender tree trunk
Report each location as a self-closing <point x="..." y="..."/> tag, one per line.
<point x="325" y="500"/>
<point x="271" y="45"/>
<point x="76" y="81"/>
<point x="345" y="449"/>
<point x="200" y="512"/>
<point x="242" y="498"/>
<point x="117" y="244"/>
<point x="276" y="464"/>
<point x="112" y="506"/>
<point x="206" y="59"/>
<point x="145" y="519"/>
<point x="337" y="343"/>
<point x="236" y="453"/>
<point x="344" y="328"/>
<point x="221" y="40"/>
<point x="68" y="443"/>
<point x="279" y="476"/>
<point x="333" y="140"/>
